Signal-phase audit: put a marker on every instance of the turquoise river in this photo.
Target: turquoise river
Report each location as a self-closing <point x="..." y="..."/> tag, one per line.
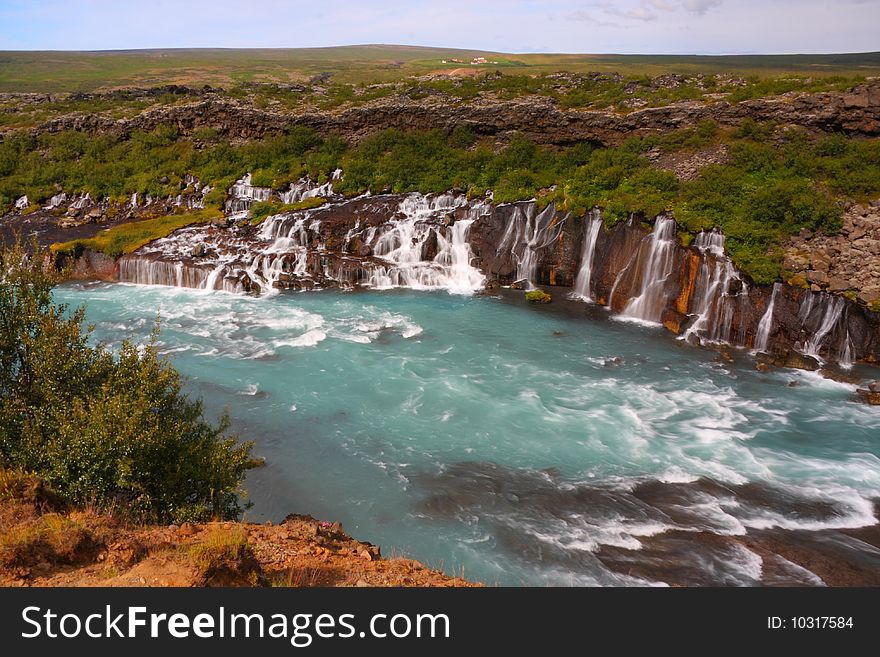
<point x="521" y="445"/>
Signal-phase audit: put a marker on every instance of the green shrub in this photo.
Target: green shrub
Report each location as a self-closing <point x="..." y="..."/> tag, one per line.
<point x="109" y="429"/>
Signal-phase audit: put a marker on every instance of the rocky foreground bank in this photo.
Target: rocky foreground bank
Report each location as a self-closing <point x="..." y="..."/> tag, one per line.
<point x="42" y="544"/>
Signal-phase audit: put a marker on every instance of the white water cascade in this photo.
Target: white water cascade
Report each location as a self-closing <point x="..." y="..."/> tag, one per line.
<point x="404" y="241"/>
<point x="656" y="254"/>
<point x="56" y="201"/>
<point x="305" y="188"/>
<point x="763" y="335"/>
<point x="423" y="245"/>
<point x="582" y="289"/>
<point x="242" y="195"/>
<point x="528" y="232"/>
<point x="831" y="315"/>
<point x="713" y="303"/>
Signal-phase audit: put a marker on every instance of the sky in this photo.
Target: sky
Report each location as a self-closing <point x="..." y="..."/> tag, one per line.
<point x="625" y="26"/>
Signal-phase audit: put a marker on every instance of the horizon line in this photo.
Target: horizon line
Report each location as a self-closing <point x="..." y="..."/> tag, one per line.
<point x="422" y="47"/>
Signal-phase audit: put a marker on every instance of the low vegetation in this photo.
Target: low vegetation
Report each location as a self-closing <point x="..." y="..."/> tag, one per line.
<point x="774" y="181"/>
<point x="102" y="428"/>
<point x="125" y="238"/>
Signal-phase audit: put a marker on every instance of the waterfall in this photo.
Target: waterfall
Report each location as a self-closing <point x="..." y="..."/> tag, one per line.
<point x="404" y="243"/>
<point x="148" y="271"/>
<point x="656" y="256"/>
<point x="833" y="310"/>
<point x="582" y="289"/>
<point x="845" y="359"/>
<point x="82" y="201"/>
<point x="56" y="200"/>
<point x="712" y="301"/>
<point x="134" y="200"/>
<point x="527" y="233"/>
<point x="243" y="194"/>
<point x="424" y="245"/>
<point x="766" y="324"/>
<point x="304" y="188"/>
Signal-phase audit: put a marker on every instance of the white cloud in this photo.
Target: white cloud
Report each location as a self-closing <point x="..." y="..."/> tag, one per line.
<point x="660" y="5"/>
<point x="638" y="13"/>
<point x="700" y="7"/>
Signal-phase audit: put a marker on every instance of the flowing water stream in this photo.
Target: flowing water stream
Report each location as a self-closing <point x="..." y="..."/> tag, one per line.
<point x="521" y="445"/>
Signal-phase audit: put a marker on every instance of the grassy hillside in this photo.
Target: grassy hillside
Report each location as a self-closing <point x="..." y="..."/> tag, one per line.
<point x="89" y="71"/>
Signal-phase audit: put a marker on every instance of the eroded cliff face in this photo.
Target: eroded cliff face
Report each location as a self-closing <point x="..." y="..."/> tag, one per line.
<point x="643" y="274"/>
<point x="856" y="112"/>
<point x="638" y="271"/>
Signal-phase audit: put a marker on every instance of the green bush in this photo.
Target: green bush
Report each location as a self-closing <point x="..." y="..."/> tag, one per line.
<point x="113" y="430"/>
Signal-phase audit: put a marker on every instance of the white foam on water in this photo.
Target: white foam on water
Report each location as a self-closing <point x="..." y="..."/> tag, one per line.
<point x="746" y="564"/>
<point x="675" y="475"/>
<point x="251" y="390"/>
<point x="798" y="573"/>
<point x="307" y="339"/>
<point x="816" y="380"/>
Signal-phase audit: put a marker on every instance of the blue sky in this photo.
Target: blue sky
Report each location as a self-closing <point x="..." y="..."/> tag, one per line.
<point x="626" y="26"/>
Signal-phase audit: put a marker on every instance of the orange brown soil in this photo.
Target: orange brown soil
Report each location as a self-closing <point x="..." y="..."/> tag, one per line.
<point x="40" y="546"/>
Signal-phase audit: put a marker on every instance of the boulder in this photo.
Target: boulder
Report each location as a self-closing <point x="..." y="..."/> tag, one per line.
<point x="868" y="396"/>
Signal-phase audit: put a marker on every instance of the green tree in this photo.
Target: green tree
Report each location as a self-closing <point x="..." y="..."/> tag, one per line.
<point x="115" y="430"/>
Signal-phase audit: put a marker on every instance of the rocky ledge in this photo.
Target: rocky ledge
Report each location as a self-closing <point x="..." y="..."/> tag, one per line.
<point x="42" y="544"/>
<point x="855" y="112"/>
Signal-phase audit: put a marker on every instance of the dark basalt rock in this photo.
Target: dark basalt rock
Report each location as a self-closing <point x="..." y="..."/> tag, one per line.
<point x="539" y="118"/>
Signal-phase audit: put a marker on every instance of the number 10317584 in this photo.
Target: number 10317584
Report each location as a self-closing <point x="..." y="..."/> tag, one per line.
<point x="810" y="623"/>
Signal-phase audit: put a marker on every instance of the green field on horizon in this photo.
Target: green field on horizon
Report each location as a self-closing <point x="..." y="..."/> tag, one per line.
<point x="68" y="71"/>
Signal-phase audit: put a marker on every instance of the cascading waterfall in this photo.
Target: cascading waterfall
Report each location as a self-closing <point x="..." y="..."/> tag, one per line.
<point x="762" y="337"/>
<point x="656" y="255"/>
<point x="305" y="188"/>
<point x="423" y="246"/>
<point x="582" y="289"/>
<point x="845" y="359"/>
<point x="714" y="305"/>
<point x="404" y="242"/>
<point x="243" y="194"/>
<point x="831" y="315"/>
<point x="56" y="200"/>
<point x="423" y="242"/>
<point x="527" y="233"/>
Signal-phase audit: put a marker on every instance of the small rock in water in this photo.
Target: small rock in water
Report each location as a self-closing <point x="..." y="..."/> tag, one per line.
<point x="724" y="357"/>
<point x="198" y="251"/>
<point x="868" y="396"/>
<point x="762" y="367"/>
<point x="874" y="386"/>
<point x="793" y="383"/>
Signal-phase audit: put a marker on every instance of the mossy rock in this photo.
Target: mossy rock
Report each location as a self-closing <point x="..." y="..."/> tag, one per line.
<point x="538" y="296"/>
